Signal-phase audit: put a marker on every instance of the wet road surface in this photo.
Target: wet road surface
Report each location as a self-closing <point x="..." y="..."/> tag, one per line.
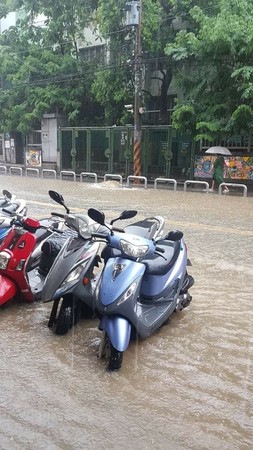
<point x="188" y="387"/>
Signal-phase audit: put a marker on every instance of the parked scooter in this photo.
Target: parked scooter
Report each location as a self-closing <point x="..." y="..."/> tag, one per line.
<point x="73" y="276"/>
<point x="22" y="268"/>
<point x="10" y="206"/>
<point x="142" y="284"/>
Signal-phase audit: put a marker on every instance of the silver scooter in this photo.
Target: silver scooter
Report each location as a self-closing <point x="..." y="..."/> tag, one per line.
<point x="72" y="279"/>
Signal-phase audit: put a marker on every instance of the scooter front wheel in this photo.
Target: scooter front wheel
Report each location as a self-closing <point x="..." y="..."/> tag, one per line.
<point x="109" y="352"/>
<point x="65" y="319"/>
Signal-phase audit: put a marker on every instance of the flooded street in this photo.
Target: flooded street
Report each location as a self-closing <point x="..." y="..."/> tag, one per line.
<point x="189" y="387"/>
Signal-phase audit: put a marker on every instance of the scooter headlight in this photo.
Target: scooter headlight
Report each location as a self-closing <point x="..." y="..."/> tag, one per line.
<point x="134" y="251"/>
<point x="4" y="259"/>
<point x="70" y="280"/>
<point x="74" y="274"/>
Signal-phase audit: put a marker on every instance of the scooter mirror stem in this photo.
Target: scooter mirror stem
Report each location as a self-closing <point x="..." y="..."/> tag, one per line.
<point x="113" y="220"/>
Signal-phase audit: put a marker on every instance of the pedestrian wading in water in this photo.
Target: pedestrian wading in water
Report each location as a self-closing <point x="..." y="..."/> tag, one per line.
<point x="218" y="169"/>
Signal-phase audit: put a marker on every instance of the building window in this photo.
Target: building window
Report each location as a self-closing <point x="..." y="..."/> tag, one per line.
<point x="94" y="53"/>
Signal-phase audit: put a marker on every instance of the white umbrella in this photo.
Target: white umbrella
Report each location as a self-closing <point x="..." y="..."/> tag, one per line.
<point x="218" y="151"/>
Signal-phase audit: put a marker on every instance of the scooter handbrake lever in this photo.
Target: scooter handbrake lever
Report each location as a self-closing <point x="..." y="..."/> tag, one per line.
<point x="120" y="230"/>
<point x="51" y="229"/>
<point x="158" y="252"/>
<point x="58" y="215"/>
<point x="99" y="235"/>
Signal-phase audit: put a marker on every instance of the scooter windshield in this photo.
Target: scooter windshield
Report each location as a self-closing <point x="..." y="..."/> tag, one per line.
<point x="82" y="224"/>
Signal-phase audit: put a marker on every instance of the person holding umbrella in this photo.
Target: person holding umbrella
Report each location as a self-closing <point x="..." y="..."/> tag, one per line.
<point x="218" y="167"/>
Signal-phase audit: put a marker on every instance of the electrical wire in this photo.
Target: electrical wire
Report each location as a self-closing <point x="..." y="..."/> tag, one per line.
<point x="79" y="77"/>
<point x="73" y="77"/>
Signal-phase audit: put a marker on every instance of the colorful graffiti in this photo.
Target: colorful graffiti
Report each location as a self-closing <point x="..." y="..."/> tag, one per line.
<point x="236" y="167"/>
<point x="33" y="157"/>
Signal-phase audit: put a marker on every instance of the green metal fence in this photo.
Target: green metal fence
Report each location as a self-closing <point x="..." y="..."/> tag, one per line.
<point x="164" y="152"/>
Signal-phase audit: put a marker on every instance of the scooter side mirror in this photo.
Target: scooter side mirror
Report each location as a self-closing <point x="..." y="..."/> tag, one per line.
<point x="96" y="215"/>
<point x="58" y="198"/>
<point x="7" y="194"/>
<point x="127" y="214"/>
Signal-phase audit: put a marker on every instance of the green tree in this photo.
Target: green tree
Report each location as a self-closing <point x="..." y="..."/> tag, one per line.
<point x="8" y="5"/>
<point x="214" y="70"/>
<point x="41" y="68"/>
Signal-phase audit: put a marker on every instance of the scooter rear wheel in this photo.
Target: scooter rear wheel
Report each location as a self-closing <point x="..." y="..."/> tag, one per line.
<point x="108" y="351"/>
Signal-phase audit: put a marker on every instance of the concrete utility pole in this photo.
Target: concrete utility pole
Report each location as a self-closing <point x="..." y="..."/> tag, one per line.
<point x="134" y="18"/>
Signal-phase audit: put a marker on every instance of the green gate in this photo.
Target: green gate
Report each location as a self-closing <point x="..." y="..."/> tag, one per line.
<point x="164" y="152"/>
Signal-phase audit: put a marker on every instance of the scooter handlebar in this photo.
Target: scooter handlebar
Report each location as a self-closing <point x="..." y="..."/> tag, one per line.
<point x="17" y="221"/>
<point x="58" y="215"/>
<point x="7" y="211"/>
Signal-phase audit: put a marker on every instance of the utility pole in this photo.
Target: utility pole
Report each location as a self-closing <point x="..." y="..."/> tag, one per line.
<point x="137" y="95"/>
<point x="134" y="18"/>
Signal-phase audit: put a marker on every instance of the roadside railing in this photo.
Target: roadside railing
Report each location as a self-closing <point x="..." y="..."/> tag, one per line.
<point x="132" y="181"/>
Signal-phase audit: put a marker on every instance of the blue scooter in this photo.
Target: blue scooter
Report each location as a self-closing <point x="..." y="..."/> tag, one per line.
<point x="143" y="282"/>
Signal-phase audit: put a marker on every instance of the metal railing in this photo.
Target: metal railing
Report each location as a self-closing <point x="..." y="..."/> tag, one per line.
<point x="137" y="181"/>
<point x="234" y="185"/>
<point x="164" y="181"/>
<point x="203" y="183"/>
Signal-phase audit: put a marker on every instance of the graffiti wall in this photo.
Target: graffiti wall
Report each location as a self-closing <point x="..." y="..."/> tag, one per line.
<point x="236" y="167"/>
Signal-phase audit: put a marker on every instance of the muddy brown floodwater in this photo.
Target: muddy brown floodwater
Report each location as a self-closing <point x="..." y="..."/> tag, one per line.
<point x="188" y="387"/>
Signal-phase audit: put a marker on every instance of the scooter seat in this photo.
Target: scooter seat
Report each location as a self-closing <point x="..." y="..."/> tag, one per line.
<point x="143" y="228"/>
<point x="160" y="265"/>
<point x="52" y="246"/>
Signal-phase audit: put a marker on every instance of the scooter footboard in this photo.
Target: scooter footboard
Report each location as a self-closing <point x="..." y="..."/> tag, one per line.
<point x="118" y="330"/>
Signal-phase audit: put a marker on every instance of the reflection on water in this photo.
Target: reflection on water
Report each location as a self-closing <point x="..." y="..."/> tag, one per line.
<point x="188" y="387"/>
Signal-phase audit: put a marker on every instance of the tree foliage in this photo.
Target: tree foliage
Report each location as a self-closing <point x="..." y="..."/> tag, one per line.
<point x="205" y="46"/>
<point x="40" y="65"/>
<point x="214" y="72"/>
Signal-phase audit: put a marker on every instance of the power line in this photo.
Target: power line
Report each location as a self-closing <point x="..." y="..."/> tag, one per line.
<point x="76" y="77"/>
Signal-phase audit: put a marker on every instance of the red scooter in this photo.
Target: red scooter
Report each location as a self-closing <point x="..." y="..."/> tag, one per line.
<point x="20" y="255"/>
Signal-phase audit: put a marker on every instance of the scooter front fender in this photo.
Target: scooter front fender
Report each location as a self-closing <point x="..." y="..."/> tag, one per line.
<point x="118" y="330"/>
<point x="8" y="289"/>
